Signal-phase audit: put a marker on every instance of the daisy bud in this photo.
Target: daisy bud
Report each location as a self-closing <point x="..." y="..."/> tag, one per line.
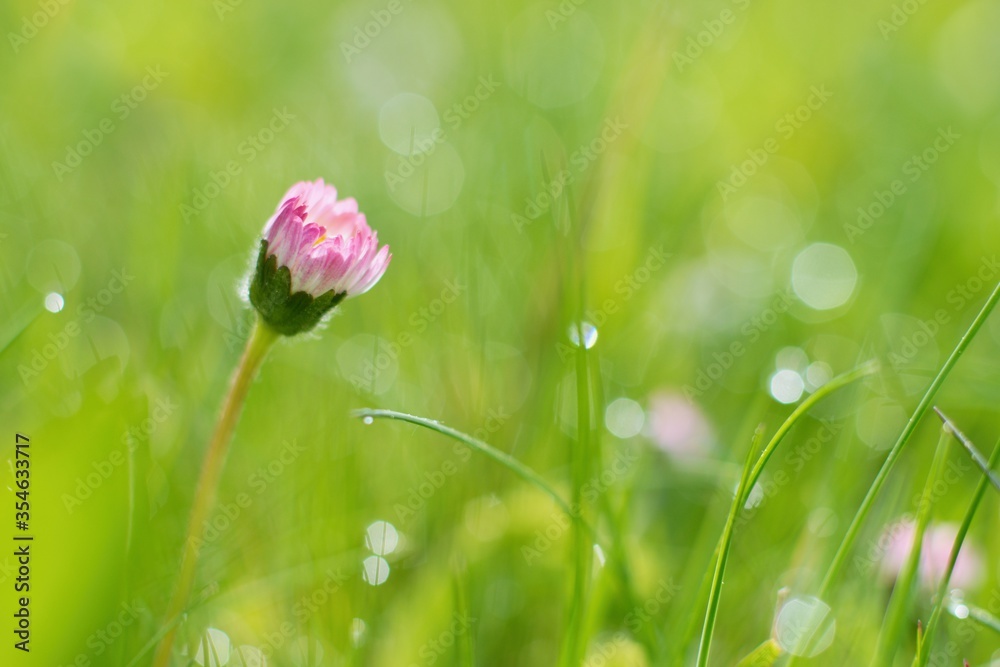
<point x="316" y="251"/>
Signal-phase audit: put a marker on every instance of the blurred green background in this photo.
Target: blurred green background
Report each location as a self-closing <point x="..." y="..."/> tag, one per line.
<point x="742" y="199"/>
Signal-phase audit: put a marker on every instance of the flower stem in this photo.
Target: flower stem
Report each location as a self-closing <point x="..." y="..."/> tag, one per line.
<point x="261" y="339"/>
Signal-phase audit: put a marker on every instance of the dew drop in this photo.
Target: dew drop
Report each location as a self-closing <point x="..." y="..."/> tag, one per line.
<point x="589" y="332"/>
<point x="368" y="420"/>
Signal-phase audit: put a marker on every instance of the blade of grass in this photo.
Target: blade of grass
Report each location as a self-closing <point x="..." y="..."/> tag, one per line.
<point x="580" y="464"/>
<point x="720" y="565"/>
<point x="977" y="458"/>
<point x="504" y="459"/>
<point x="902" y="592"/>
<point x="18" y="324"/>
<point x="876" y="486"/>
<point x="842" y="380"/>
<point x="942" y="590"/>
<point x="764" y="655"/>
<point x="524" y="472"/>
<point x="978" y="615"/>
<point x="851" y="536"/>
<point x="527" y="474"/>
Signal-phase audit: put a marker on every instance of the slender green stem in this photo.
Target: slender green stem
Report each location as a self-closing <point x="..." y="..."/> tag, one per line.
<point x="977" y="458"/>
<point x="260" y="342"/>
<point x="902" y="592"/>
<point x="503" y="458"/>
<point x="720" y="565"/>
<point x="512" y="464"/>
<point x="840" y="558"/>
<point x="582" y="547"/>
<point x="842" y="380"/>
<point x="942" y="589"/>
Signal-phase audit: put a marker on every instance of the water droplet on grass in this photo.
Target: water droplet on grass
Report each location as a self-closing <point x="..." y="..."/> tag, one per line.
<point x="589" y="334"/>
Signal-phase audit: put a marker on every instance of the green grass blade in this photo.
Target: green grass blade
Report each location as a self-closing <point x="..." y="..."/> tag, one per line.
<point x="840" y="558"/>
<point x="720" y="565"/>
<point x="942" y="590"/>
<point x="980" y="616"/>
<point x="17" y="325"/>
<point x="580" y="465"/>
<point x="842" y="380"/>
<point x="977" y="458"/>
<point x="504" y="459"/>
<point x="902" y="592"/>
<point x="764" y="655"/>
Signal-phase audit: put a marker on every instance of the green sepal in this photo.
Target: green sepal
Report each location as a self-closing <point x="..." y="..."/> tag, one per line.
<point x="285" y="312"/>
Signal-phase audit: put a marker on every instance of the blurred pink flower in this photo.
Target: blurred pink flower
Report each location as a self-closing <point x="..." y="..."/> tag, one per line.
<point x="934" y="554"/>
<point x="677" y="426"/>
<point x="326" y="244"/>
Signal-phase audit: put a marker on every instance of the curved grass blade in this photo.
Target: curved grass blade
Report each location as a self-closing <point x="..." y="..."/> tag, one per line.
<point x="720" y="565"/>
<point x="977" y="458"/>
<point x="504" y="459"/>
<point x="977" y="614"/>
<point x="842" y="380"/>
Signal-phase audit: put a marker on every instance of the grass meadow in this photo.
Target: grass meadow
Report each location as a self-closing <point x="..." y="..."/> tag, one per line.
<point x="667" y="277"/>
